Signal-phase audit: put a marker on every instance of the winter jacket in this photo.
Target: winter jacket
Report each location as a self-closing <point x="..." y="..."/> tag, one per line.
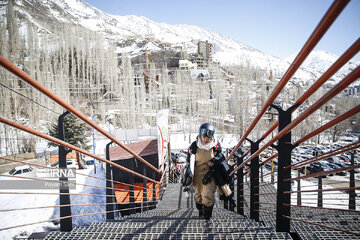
<point x="204" y="194"/>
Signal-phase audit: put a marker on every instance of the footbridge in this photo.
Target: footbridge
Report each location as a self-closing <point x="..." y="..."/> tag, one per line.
<point x="270" y="203"/>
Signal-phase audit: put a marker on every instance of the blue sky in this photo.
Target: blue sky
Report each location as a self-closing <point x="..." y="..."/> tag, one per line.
<point x="275" y="27"/>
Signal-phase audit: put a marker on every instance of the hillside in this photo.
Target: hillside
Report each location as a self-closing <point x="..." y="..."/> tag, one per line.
<point x="120" y="28"/>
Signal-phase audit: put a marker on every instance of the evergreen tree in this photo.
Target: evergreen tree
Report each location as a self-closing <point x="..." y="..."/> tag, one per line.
<point x="76" y="132"/>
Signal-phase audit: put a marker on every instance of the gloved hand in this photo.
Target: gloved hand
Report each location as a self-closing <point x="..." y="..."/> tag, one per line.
<point x="186" y="189"/>
<point x="187" y="179"/>
<point x="218" y="159"/>
<point x="207" y="178"/>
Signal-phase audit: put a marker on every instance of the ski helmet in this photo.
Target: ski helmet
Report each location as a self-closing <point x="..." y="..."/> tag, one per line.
<point x="207" y="130"/>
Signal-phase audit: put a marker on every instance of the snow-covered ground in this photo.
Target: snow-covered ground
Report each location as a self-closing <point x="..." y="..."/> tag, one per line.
<point x="20" y="217"/>
<point x="331" y="199"/>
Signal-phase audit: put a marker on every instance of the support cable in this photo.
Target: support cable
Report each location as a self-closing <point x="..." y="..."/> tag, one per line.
<point x="326" y="155"/>
<point x="350" y="78"/>
<point x="267" y="184"/>
<point x="324" y="173"/>
<point x="28" y="79"/>
<point x="326" y="199"/>
<point x="65" y="144"/>
<point x="324" y="190"/>
<point x="82" y="174"/>
<point x="323" y="225"/>
<point x="82" y="184"/>
<point x="335" y="121"/>
<point x="352" y="51"/>
<point x="55" y="206"/>
<point x="30" y="99"/>
<point x="325" y="203"/>
<point x="315" y="185"/>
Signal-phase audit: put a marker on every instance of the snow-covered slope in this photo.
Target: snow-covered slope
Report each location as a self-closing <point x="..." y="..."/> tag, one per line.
<point x="319" y="61"/>
<point x="119" y="28"/>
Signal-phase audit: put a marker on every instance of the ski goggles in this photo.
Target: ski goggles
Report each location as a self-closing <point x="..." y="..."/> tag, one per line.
<point x="207" y="132"/>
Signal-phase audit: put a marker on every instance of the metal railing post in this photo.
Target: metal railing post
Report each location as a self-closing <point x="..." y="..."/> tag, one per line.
<point x="131" y="188"/>
<point x="154" y="192"/>
<point x="226" y="204"/>
<point x="109" y="187"/>
<point x="65" y="223"/>
<point x="231" y="204"/>
<point x="320" y="194"/>
<point x="254" y="181"/>
<point x="284" y="149"/>
<point x="144" y="205"/>
<point x="352" y="204"/>
<point x="240" y="187"/>
<point x="298" y="190"/>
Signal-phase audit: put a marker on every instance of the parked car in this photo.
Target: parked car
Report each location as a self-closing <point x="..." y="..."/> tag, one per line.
<point x="347" y="164"/>
<point x="333" y="159"/>
<point x="72" y="163"/>
<point x="335" y="166"/>
<point x="326" y="167"/>
<point x="313" y="168"/>
<point x="22" y="170"/>
<point x="178" y="157"/>
<point x="89" y="161"/>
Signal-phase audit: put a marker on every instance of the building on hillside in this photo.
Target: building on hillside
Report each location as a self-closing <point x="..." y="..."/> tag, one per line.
<point x="165" y="46"/>
<point x="200" y="74"/>
<point x="352" y="91"/>
<point x="178" y="48"/>
<point x="205" y="49"/>
<point x="201" y="62"/>
<point x="187" y="65"/>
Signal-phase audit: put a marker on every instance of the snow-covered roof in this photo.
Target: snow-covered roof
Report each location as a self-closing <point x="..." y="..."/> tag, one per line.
<point x="200" y="73"/>
<point x="142" y="148"/>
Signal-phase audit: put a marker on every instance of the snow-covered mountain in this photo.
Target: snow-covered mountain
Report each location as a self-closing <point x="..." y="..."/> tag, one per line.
<point x="319" y="61"/>
<point x="118" y="28"/>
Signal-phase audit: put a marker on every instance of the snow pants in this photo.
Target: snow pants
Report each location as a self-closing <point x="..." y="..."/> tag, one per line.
<point x="204" y="194"/>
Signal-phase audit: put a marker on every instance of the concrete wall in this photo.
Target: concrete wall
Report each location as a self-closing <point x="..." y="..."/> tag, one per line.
<point x="21" y="157"/>
<point x="10" y="165"/>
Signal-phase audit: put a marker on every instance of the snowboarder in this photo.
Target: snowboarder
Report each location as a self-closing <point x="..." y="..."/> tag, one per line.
<point x="203" y="154"/>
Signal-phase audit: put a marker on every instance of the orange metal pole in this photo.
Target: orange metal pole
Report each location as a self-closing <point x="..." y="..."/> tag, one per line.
<point x="24" y="76"/>
<point x="350" y="52"/>
<point x="65" y="144"/>
<point x="325" y="23"/>
<point x="325" y="155"/>
<point x="43" y="166"/>
<point x="350" y="78"/>
<point x="330" y="124"/>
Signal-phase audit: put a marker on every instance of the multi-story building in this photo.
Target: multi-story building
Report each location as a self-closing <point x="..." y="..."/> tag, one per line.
<point x="187" y="65"/>
<point x="166" y="46"/>
<point x="205" y="49"/>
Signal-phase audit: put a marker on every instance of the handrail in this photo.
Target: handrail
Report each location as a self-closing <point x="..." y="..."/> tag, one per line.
<point x="78" y="173"/>
<point x="326" y="155"/>
<point x="24" y="76"/>
<point x="351" y="77"/>
<point x="320" y="30"/>
<point x="340" y="62"/>
<point x="333" y="122"/>
<point x="65" y="144"/>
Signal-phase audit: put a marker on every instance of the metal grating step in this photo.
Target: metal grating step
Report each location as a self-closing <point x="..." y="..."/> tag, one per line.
<point x="175" y="218"/>
<point x="165" y="236"/>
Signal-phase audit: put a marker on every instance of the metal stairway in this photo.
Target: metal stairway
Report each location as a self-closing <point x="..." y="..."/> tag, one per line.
<point x="175" y="218"/>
